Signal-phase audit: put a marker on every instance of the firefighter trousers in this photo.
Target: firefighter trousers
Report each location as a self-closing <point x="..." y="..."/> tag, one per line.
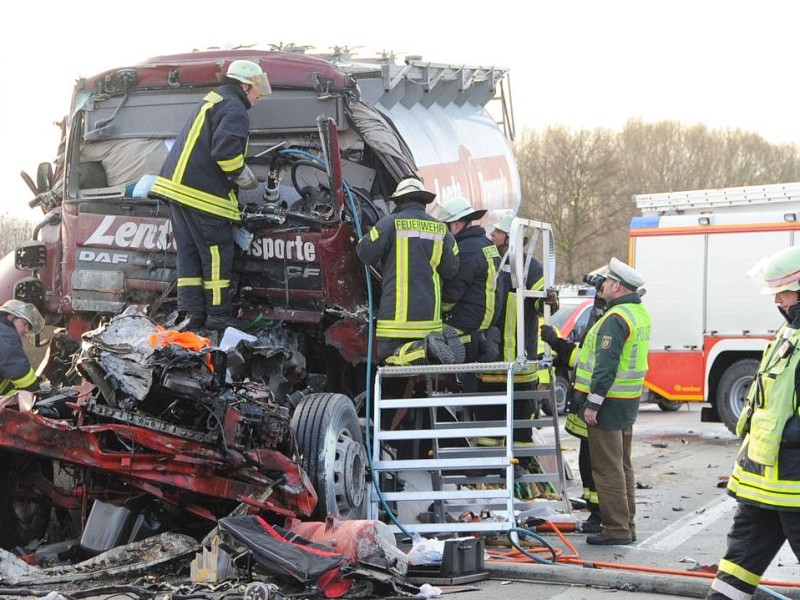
<point x="756" y="536"/>
<point x="612" y="471"/>
<point x="587" y="481"/>
<point x="205" y="261"/>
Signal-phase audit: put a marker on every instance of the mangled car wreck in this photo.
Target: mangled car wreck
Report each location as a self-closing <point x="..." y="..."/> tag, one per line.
<point x="153" y="429"/>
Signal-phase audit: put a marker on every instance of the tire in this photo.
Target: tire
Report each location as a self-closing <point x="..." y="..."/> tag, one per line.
<point x="332" y="454"/>
<point x="24" y="508"/>
<point x="669" y="405"/>
<point x="562" y="387"/>
<point x="732" y="390"/>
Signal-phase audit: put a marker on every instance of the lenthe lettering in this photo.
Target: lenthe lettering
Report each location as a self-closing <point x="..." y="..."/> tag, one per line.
<point x="113" y="232"/>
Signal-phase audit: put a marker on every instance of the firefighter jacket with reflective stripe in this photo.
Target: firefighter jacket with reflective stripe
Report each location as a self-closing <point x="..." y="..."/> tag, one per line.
<point x="612" y="362"/>
<point x="470" y="297"/>
<point x="767" y="469"/>
<point x="414" y="252"/>
<point x="208" y="155"/>
<point x="507" y="322"/>
<point x="15" y="369"/>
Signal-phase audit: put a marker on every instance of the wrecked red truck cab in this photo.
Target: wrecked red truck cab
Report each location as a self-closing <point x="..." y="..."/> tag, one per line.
<point x="328" y="147"/>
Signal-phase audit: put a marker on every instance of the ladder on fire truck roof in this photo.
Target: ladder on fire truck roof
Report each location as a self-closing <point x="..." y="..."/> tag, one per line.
<point x="458" y="468"/>
<point x="697" y="201"/>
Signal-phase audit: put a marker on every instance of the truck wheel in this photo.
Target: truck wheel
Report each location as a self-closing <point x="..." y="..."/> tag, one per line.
<point x="24" y="508"/>
<point x="332" y="449"/>
<point x="669" y="405"/>
<point x="562" y="387"/>
<point x="732" y="390"/>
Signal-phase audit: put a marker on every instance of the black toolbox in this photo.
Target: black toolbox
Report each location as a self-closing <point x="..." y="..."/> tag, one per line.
<point x="462" y="562"/>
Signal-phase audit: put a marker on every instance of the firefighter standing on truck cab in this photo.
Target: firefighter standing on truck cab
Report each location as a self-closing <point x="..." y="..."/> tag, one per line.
<point x="200" y="178"/>
<point x="766" y="475"/>
<point x="17" y="318"/>
<point x="414" y="252"/>
<point x="469" y="299"/>
<point x="506" y="315"/>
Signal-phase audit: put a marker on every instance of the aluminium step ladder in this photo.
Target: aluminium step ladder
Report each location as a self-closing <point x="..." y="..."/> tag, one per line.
<point x="455" y="469"/>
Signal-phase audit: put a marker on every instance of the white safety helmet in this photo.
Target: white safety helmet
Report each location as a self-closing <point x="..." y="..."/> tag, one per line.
<point x="781" y="271"/>
<point x="26" y="311"/>
<point x="504" y="223"/>
<point x="250" y="73"/>
<point x="457" y="209"/>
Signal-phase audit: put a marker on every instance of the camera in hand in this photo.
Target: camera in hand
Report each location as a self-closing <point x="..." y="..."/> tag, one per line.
<point x="594" y="280"/>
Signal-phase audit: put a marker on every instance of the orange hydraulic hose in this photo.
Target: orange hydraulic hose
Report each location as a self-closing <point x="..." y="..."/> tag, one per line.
<point x="575" y="559"/>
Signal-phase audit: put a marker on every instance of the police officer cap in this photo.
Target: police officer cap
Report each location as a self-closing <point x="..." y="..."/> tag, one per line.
<point x="411" y="189"/>
<point x="625" y="274"/>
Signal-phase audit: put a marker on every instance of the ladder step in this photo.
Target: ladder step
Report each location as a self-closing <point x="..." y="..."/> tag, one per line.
<point x="436" y="464"/>
<point x="455" y="527"/>
<point x="430" y="434"/>
<point x="444" y="495"/>
<point x="494" y="478"/>
<point x="443" y="400"/>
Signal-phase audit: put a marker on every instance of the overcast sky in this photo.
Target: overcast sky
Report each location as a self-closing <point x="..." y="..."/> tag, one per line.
<point x="579" y="63"/>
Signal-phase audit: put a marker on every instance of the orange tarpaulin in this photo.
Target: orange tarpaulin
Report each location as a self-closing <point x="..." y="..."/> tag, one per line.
<point x="185" y="339"/>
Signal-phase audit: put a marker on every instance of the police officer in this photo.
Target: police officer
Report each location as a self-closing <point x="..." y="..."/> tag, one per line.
<point x="469" y="298"/>
<point x="414" y="252"/>
<point x="766" y="475"/>
<point x="609" y="378"/>
<point x="17" y="318"/>
<point x="200" y="178"/>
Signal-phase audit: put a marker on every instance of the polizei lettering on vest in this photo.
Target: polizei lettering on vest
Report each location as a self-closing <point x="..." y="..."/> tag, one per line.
<point x="290" y="249"/>
<point x="114" y="232"/>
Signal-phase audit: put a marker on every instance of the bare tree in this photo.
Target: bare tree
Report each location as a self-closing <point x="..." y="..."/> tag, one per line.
<point x="582" y="181"/>
<point x="571" y="180"/>
<point x="12" y="231"/>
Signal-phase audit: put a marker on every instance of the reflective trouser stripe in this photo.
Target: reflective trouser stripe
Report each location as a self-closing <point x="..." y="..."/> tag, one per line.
<point x="726" y="590"/>
<point x="216" y="284"/>
<point x="189" y="281"/>
<point x="407" y="354"/>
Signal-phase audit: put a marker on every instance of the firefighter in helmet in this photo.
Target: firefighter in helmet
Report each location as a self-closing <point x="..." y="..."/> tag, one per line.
<point x="766" y="475"/>
<point x="17" y="318"/>
<point x="469" y="299"/>
<point x="414" y="253"/>
<point x="506" y="321"/>
<point x="200" y="179"/>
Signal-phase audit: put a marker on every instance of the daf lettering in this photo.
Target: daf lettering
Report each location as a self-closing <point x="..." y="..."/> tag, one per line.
<point x="113" y="258"/>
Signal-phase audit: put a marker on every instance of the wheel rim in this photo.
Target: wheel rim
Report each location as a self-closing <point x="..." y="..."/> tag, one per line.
<point x="738" y="394"/>
<point x="349" y="479"/>
<point x="561" y="398"/>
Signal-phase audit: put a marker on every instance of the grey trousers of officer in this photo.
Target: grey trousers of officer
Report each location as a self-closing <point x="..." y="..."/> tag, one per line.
<point x="612" y="471"/>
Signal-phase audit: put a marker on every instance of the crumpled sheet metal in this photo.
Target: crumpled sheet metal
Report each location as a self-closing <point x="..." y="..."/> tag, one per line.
<point x="121" y="561"/>
<point x="122" y="348"/>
